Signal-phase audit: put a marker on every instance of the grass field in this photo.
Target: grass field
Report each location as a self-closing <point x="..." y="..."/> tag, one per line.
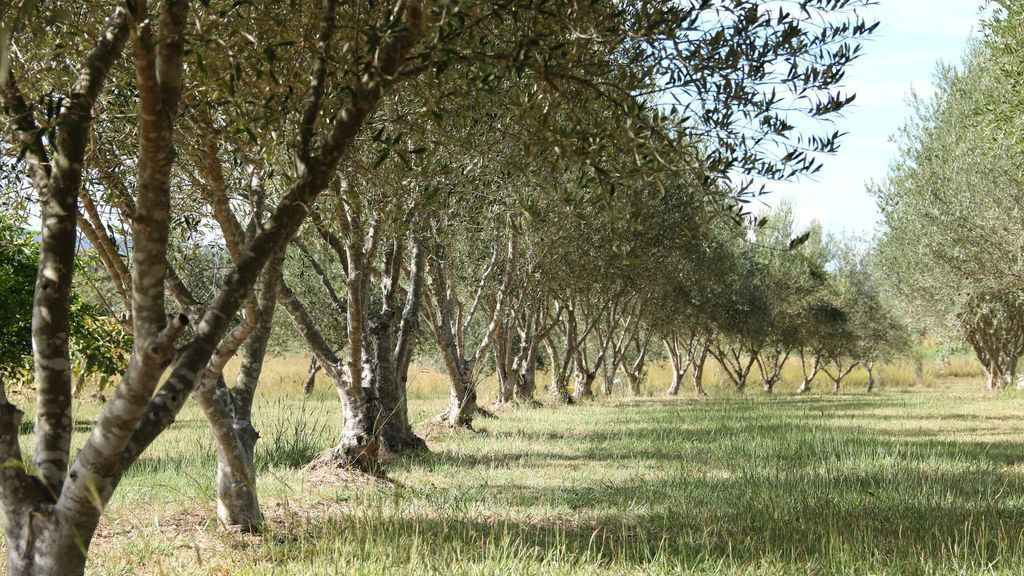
<point x="925" y="480"/>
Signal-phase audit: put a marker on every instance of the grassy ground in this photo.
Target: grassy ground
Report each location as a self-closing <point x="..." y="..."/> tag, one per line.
<point x="907" y="481"/>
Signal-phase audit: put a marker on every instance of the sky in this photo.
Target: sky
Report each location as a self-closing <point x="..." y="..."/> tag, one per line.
<point x="913" y="37"/>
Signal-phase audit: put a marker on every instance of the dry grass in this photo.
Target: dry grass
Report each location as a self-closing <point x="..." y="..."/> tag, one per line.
<point x="283" y="375"/>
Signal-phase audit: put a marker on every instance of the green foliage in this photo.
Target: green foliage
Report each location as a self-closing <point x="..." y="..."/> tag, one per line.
<point x="99" y="346"/>
<point x="18" y="266"/>
<point x="953" y="204"/>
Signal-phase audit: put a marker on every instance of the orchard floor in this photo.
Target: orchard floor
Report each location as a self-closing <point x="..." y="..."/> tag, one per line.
<point x="913" y="481"/>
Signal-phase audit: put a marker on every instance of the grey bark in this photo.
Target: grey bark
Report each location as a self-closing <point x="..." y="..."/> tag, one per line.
<point x="680" y="355"/>
<point x="736" y="362"/>
<point x="310" y="382"/>
<point x="699" y="361"/>
<point x="770" y="366"/>
<point x="449" y="329"/>
<point x="870" y="367"/>
<point x="809" y="373"/>
<point x="840" y="372"/>
<point x="392" y="346"/>
<point x="636" y="370"/>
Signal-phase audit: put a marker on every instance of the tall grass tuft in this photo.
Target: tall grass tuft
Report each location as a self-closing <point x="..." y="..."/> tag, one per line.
<point x="295" y="434"/>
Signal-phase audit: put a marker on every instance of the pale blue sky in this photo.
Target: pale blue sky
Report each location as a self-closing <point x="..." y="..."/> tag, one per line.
<point x="913" y="37"/>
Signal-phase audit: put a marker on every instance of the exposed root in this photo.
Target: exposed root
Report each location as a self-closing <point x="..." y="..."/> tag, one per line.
<point x="409" y="444"/>
<point x="485" y="413"/>
<point x="497" y="408"/>
<point x="356" y="466"/>
<point x="438" y="427"/>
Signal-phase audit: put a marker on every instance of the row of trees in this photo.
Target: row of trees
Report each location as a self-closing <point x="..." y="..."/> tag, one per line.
<point x="952" y="204"/>
<point x="779" y="295"/>
<point x="515" y="176"/>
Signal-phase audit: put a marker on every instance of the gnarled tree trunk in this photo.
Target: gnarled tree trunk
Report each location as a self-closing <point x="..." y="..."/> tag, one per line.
<point x="736" y="365"/>
<point x="809" y="372"/>
<point x="393" y="350"/>
<point x="869" y="366"/>
<point x="310" y="382"/>
<point x="837" y="370"/>
<point x="698" y="363"/>
<point x="680" y="356"/>
<point x="770" y="366"/>
<point x="450" y="330"/>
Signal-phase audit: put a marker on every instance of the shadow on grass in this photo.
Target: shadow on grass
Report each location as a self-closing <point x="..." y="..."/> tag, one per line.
<point x="831" y="534"/>
<point x="735" y="481"/>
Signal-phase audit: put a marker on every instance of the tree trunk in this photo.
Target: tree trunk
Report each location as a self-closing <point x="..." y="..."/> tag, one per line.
<point x="462" y="402"/>
<point x="584" y="388"/>
<point x="310" y="382"/>
<point x="633" y="381"/>
<point x="526" y="380"/>
<point x="732" y="362"/>
<point x="698" y="369"/>
<point x="677" y="383"/>
<point x="38" y="542"/>
<point x="608" y="380"/>
<point x="870" y="367"/>
<point x="359" y="445"/>
<point x="771" y="367"/>
<point x="403" y="437"/>
<point x="636" y="371"/>
<point x="583" y="376"/>
<point x="504" y="364"/>
<point x="524" y="367"/>
<point x="808" y="375"/>
<point x="840" y="375"/>
<point x="41" y="542"/>
<point x="237" y="503"/>
<point x="558" y="386"/>
<point x="381" y="376"/>
<point x="678" y="368"/>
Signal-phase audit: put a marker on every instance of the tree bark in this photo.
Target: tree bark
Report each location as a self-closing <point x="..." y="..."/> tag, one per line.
<point x="309" y="384"/>
<point x="771" y="367"/>
<point x="839" y="375"/>
<point x="736" y="367"/>
<point x="808" y="374"/>
<point x="449" y="330"/>
<point x="699" y="361"/>
<point x="584" y="380"/>
<point x="399" y="435"/>
<point x="558" y="385"/>
<point x="676" y="354"/>
<point x="636" y="371"/>
<point x="238" y="506"/>
<point x="504" y="354"/>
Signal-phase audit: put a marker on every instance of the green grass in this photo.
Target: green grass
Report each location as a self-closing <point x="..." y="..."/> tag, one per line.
<point x="908" y="481"/>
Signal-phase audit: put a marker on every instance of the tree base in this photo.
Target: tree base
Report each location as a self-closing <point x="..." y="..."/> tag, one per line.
<point x="347" y="459"/>
<point x="497" y="408"/>
<point x="465" y="420"/>
<point x="408" y="444"/>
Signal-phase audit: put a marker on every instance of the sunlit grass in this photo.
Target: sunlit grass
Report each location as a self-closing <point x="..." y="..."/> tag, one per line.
<point x="905" y="481"/>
